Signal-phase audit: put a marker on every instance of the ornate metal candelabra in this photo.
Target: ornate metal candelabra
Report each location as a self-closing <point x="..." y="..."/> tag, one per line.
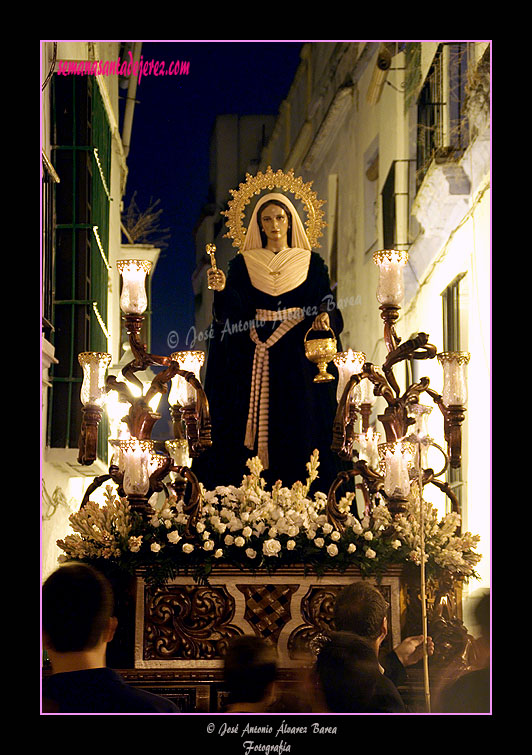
<point x="387" y="469"/>
<point x="140" y="465"/>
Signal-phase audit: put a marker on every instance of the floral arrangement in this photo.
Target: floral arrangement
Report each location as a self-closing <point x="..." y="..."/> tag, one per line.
<point x="253" y="528"/>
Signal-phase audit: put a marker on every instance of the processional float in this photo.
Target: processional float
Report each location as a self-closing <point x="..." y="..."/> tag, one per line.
<point x="388" y="471"/>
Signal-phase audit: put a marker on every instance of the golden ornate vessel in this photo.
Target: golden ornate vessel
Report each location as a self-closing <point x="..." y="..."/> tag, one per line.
<point x="321" y="351"/>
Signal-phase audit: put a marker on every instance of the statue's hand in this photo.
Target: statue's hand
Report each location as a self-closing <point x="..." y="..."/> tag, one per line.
<point x="215" y="279"/>
<point x="321" y="322"/>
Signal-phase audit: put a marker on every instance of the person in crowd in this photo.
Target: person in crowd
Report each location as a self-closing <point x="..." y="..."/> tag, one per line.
<point x="471" y="692"/>
<point x="360" y="608"/>
<point x="349" y="678"/>
<point x="77" y="625"/>
<point x="250" y="672"/>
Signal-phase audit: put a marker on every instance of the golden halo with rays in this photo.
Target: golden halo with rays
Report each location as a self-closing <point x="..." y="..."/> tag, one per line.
<point x="270" y="180"/>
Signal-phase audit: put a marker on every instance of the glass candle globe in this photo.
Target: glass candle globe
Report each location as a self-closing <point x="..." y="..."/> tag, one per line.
<point x="94" y="365"/>
<point x="136" y="456"/>
<point x="348" y="363"/>
<point x="181" y="392"/>
<point x="133" y="299"/>
<point x="390" y="289"/>
<point x="178" y="450"/>
<point x="454" y="365"/>
<point x="396" y="477"/>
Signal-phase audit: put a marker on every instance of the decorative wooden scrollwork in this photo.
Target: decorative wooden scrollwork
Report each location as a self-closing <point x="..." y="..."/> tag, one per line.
<point x="188" y="622"/>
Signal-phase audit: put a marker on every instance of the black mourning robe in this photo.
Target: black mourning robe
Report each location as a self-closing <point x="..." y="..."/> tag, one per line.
<point x="301" y="412"/>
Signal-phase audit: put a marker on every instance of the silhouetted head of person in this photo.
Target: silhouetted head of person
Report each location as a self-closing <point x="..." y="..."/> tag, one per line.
<point x="250" y="669"/>
<point x="77" y="605"/>
<point x="360" y="608"/>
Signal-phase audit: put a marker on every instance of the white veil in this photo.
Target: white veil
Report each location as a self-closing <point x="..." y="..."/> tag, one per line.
<point x="299" y="236"/>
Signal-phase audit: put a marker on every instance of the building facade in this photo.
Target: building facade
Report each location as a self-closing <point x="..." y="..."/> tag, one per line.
<point x="85" y="137"/>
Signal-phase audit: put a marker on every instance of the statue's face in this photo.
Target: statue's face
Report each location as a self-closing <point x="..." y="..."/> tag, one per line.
<point x="274" y="223"/>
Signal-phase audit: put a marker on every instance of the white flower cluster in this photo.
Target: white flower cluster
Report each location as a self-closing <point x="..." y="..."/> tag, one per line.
<point x="451" y="551"/>
<point x="101" y="532"/>
<point x="251" y="524"/>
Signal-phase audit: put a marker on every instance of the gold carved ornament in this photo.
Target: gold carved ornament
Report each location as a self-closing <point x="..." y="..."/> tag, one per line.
<point x="269" y="180"/>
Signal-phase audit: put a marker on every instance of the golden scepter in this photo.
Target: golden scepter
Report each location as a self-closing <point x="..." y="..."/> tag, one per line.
<point x="215" y="277"/>
<point x="210" y="249"/>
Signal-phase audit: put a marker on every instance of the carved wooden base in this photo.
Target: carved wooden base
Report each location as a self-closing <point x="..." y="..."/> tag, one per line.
<point x="188" y="626"/>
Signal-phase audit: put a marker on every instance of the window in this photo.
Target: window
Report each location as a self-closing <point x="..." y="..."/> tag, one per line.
<point x="388" y="210"/>
<point x="455" y="338"/>
<point x="396" y="206"/>
<point x="81" y="153"/>
<point x="442" y="129"/>
<point x="49" y="177"/>
<point x="454" y="299"/>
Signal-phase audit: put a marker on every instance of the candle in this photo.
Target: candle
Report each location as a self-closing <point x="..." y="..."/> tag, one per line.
<point x="390" y="289"/>
<point x="454" y="365"/>
<point x="94" y="365"/>
<point x="372" y="439"/>
<point x="396" y="479"/>
<point x="348" y="363"/>
<point x="133" y="299"/>
<point x="136" y="459"/>
<point x="182" y="392"/>
<point x="178" y="450"/>
<point x="364" y="392"/>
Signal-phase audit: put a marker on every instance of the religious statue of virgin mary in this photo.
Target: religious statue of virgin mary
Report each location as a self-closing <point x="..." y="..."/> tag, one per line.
<point x="260" y="385"/>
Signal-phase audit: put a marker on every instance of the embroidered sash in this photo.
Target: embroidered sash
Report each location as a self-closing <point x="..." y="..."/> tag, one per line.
<point x="257" y="424"/>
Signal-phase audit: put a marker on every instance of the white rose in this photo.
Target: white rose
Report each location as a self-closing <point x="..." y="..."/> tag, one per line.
<point x="351" y="548"/>
<point x="290" y="545"/>
<point x="174" y="537"/>
<point x="188" y="547"/>
<point x="319" y="542"/>
<point x="208" y="545"/>
<point x="221" y="527"/>
<point x="332" y="549"/>
<point x="293" y="531"/>
<point x="368" y="535"/>
<point x="229" y="540"/>
<point x="396" y="544"/>
<point x="370" y="553"/>
<point x="357" y="529"/>
<point x="218" y="553"/>
<point x="135" y="543"/>
<point x="200" y="526"/>
<point x="271" y="547"/>
<point x="327" y="527"/>
<point x="335" y="536"/>
<point x="250" y="553"/>
<point x="239" y="541"/>
<point x="155" y="547"/>
<point x="247" y="532"/>
<point x="244" y="516"/>
<point x="311" y="534"/>
<point x="272" y="532"/>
